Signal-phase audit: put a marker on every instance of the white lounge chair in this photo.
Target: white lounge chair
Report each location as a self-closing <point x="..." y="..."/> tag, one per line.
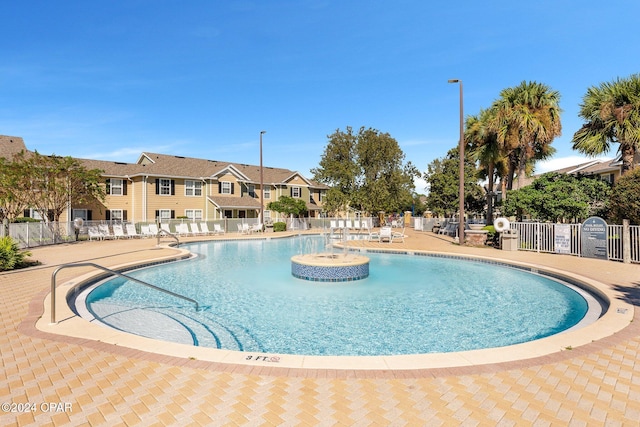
<point x="118" y="231"/>
<point x="165" y="227"/>
<point x="217" y="229"/>
<point x="131" y="230"/>
<point x="256" y="228"/>
<point x="194" y="229"/>
<point x="243" y="228"/>
<point x="153" y="230"/>
<point x="94" y="233"/>
<point x="385" y="234"/>
<point x="106" y="233"/>
<point x="204" y="229"/>
<point x="398" y="236"/>
<point x="183" y="229"/>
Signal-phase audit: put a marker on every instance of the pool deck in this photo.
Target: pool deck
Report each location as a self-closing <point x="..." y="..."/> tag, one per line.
<point x="69" y="380"/>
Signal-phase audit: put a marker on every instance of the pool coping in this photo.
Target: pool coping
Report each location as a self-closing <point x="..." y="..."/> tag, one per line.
<point x="618" y="316"/>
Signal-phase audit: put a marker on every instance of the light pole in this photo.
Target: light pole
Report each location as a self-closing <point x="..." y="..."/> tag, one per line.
<point x="261" y="182"/>
<point x="461" y="170"/>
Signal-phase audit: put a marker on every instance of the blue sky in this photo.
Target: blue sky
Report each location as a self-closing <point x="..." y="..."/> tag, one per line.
<point x="111" y="79"/>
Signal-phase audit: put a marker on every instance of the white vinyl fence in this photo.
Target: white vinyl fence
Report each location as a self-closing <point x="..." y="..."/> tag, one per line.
<point x="540" y="237"/>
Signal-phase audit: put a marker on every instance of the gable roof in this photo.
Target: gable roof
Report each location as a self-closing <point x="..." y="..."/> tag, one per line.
<point x="10" y="146"/>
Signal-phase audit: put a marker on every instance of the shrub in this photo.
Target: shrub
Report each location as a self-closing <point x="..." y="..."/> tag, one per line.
<point x="279" y="226"/>
<point x="10" y="254"/>
<point x="625" y="198"/>
<point x="492" y="236"/>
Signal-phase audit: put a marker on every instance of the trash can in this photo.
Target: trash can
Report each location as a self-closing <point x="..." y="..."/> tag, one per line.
<point x="509" y="240"/>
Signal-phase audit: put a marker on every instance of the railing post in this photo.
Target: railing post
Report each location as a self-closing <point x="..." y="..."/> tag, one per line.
<point x="626" y="242"/>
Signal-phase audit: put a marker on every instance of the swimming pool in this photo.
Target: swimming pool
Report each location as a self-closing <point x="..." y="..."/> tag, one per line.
<point x="407" y="305"/>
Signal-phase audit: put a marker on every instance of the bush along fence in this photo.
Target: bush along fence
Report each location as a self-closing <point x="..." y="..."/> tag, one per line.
<point x="594" y="238"/>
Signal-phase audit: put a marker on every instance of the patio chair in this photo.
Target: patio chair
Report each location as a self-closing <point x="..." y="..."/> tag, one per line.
<point x="204" y="229"/>
<point x="217" y="229"/>
<point x="183" y="229"/>
<point x="194" y="229"/>
<point x="153" y="230"/>
<point x="243" y="228"/>
<point x="118" y="231"/>
<point x="131" y="230"/>
<point x="256" y="228"/>
<point x="385" y="234"/>
<point x="165" y="227"/>
<point x="94" y="233"/>
<point x="398" y="235"/>
<point x="106" y="233"/>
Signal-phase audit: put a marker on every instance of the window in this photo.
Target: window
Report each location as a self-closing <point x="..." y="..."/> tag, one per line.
<point x="116" y="215"/>
<point x="267" y="192"/>
<point x="165" y="187"/>
<point x="296" y="192"/>
<point x="81" y="213"/>
<point x="193" y="214"/>
<point x="251" y="189"/>
<point x="165" y="214"/>
<point x="193" y="188"/>
<point x="226" y="187"/>
<point x="267" y="216"/>
<point x="116" y="187"/>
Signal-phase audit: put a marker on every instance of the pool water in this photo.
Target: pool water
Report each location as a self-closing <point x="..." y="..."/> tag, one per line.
<point x="408" y="304"/>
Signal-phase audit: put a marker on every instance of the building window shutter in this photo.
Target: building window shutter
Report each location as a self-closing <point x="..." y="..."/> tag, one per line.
<point x="219" y="187"/>
<point x="124" y="215"/>
<point x="89" y="215"/>
<point x="157" y="186"/>
<point x="173" y="214"/>
<point x="232" y="188"/>
<point x="291" y="191"/>
<point x="124" y="187"/>
<point x="173" y="187"/>
<point x="108" y="186"/>
<point x="108" y="215"/>
<point x="157" y="214"/>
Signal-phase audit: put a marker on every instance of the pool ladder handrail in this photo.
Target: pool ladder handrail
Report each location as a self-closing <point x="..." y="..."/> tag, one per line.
<point x="166" y="233"/>
<point x="113" y="272"/>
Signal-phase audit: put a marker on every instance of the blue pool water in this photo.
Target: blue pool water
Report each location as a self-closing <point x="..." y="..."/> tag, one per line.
<point x="407" y="305"/>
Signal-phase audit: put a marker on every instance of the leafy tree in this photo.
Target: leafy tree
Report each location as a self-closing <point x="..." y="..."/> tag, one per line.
<point x="625" y="198"/>
<point x="482" y="139"/>
<point x="56" y="181"/>
<point x="13" y="197"/>
<point x="288" y="206"/>
<point x="365" y="171"/>
<point x="612" y="114"/>
<point x="527" y="121"/>
<point x="442" y="178"/>
<point x="554" y="197"/>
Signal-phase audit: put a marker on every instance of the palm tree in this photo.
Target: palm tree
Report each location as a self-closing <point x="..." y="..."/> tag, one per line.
<point x="483" y="143"/>
<point x="528" y="120"/>
<point x="612" y="114"/>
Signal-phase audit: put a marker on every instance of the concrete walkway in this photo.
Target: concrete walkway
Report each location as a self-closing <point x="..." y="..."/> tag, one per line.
<point x="58" y="380"/>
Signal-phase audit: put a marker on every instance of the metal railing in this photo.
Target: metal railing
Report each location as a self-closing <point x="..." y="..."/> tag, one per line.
<point x="113" y="272"/>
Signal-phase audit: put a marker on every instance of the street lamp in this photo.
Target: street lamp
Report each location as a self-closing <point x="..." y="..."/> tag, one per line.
<point x="461" y="170"/>
<point x="261" y="181"/>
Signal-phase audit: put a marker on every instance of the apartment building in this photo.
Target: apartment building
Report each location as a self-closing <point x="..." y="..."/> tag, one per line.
<point x="167" y="186"/>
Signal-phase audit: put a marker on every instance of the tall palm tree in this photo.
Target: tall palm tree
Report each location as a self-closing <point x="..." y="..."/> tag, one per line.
<point x="482" y="139"/>
<point x="528" y="120"/>
<point x="612" y="114"/>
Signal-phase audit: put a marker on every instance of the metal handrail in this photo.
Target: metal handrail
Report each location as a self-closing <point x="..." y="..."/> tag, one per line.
<point x="116" y="273"/>
<point x="166" y="233"/>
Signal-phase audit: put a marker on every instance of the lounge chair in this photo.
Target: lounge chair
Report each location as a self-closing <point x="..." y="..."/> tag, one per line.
<point x="217" y="229"/>
<point x="118" y="231"/>
<point x="398" y="235"/>
<point x="204" y="229"/>
<point x="243" y="228"/>
<point x="165" y="227"/>
<point x="131" y="230"/>
<point x="194" y="229"/>
<point x="106" y="233"/>
<point x="385" y="234"/>
<point x="153" y="230"/>
<point x="94" y="233"/>
<point x="255" y="228"/>
<point x="333" y="224"/>
<point x="183" y="229"/>
<point x="349" y="224"/>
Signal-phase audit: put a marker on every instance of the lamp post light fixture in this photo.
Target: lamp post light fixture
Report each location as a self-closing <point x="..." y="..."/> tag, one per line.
<point x="261" y="182"/>
<point x="461" y="170"/>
